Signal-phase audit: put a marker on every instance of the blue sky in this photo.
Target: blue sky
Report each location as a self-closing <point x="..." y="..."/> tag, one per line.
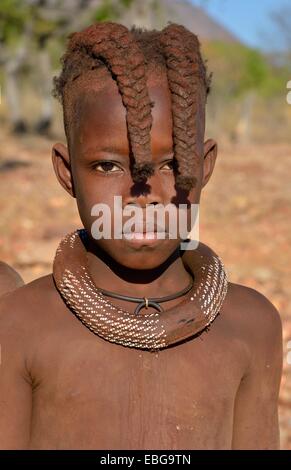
<point x="249" y="20"/>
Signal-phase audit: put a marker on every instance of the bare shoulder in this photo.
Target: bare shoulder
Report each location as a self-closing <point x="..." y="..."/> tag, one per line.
<point x="9" y="278"/>
<point x="27" y="310"/>
<point x="254" y="317"/>
<point x="252" y="308"/>
<point x="28" y="297"/>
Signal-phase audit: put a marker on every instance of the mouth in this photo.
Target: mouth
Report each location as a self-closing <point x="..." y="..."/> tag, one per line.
<point x="144" y="236"/>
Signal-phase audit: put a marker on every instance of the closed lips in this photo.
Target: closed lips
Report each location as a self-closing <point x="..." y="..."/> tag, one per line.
<point x="145" y="230"/>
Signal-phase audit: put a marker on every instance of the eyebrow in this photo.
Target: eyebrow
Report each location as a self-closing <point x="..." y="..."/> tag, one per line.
<point x="165" y="151"/>
<point x="107" y="149"/>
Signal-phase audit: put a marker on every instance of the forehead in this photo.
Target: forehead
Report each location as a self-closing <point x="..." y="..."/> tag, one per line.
<point x="98" y="111"/>
<point x="96" y="117"/>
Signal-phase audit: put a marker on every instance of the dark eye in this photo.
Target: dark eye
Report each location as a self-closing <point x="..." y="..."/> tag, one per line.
<point x="168" y="165"/>
<point x="107" y="167"/>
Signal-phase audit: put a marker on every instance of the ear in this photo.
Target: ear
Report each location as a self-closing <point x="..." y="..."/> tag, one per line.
<point x="210" y="154"/>
<point x="62" y="167"/>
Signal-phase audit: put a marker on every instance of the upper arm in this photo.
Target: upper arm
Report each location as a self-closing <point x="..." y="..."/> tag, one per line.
<point x="15" y="389"/>
<point x="256" y="404"/>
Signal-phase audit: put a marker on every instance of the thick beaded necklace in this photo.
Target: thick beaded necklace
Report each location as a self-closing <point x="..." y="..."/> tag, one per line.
<point x="151" y="331"/>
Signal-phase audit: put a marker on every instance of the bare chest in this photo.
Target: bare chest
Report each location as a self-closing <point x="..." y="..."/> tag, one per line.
<point x="100" y="395"/>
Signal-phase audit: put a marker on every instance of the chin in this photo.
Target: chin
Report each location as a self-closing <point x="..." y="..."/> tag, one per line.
<point x="142" y="261"/>
<point x="140" y="256"/>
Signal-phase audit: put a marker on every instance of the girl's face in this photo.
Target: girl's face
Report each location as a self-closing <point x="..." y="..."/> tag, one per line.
<point x="98" y="168"/>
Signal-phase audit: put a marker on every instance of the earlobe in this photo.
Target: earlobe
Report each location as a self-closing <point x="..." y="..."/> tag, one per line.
<point x="210" y="154"/>
<point x="62" y="167"/>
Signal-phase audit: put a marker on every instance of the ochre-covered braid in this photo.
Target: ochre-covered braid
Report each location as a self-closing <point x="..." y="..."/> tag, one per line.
<point x="113" y="45"/>
<point x="130" y="56"/>
<point x="185" y="70"/>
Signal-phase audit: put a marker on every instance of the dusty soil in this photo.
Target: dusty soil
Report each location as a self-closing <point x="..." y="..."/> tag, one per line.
<point x="245" y="217"/>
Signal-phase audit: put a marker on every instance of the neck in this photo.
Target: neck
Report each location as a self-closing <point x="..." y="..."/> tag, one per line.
<point x="163" y="280"/>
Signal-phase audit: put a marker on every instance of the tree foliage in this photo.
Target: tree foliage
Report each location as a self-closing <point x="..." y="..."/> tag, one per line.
<point x="238" y="69"/>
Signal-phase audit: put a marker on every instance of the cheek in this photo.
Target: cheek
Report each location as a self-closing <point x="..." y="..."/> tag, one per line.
<point x="196" y="194"/>
<point x="91" y="188"/>
<point x="97" y="192"/>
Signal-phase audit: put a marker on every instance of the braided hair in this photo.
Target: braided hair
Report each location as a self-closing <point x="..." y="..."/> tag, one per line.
<point x="127" y="54"/>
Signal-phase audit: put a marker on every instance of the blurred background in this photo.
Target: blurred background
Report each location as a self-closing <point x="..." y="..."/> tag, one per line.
<point x="245" y="209"/>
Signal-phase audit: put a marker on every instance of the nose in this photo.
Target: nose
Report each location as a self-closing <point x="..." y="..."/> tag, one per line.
<point x="144" y="193"/>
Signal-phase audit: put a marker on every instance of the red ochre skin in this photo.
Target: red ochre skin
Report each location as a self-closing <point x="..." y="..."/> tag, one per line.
<point x="9" y="279"/>
<point x="62" y="387"/>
